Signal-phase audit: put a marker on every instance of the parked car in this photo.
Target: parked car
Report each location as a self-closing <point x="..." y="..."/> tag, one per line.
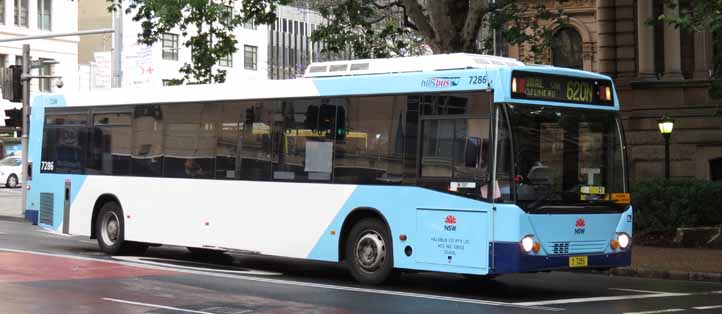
<point x="11" y="171"/>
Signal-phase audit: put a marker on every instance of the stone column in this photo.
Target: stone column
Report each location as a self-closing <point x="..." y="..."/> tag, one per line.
<point x="606" y="53"/>
<point x="702" y="55"/>
<point x="672" y="52"/>
<point x="645" y="40"/>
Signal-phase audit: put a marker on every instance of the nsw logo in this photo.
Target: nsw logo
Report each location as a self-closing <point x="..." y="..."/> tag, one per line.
<point x="441" y="82"/>
<point x="450" y="223"/>
<point x="580" y="226"/>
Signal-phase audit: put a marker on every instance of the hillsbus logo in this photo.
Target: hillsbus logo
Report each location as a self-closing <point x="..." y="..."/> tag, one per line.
<point x="440" y="82"/>
<point x="450" y="223"/>
<point x="580" y="226"/>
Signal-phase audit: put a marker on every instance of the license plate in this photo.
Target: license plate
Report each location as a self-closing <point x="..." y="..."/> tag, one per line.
<point x="578" y="261"/>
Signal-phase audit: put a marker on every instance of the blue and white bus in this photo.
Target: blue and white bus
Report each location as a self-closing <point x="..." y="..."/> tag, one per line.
<point x="456" y="163"/>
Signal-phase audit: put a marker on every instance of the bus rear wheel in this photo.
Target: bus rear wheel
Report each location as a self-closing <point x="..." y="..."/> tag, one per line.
<point x="110" y="229"/>
<point x="369" y="251"/>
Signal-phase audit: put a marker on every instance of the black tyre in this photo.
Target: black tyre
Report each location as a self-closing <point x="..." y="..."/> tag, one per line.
<point x="12" y="181"/>
<point x="369" y="251"/>
<point x="110" y="230"/>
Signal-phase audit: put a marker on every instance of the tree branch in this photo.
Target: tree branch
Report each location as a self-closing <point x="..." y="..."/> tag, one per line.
<point x="422" y="22"/>
<point x="386" y="6"/>
<point x="477" y="9"/>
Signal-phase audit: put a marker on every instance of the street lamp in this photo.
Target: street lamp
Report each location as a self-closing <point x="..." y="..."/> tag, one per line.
<point x="666" y="125"/>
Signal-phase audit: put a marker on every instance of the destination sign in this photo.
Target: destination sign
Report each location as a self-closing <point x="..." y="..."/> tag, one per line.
<point x="550" y="87"/>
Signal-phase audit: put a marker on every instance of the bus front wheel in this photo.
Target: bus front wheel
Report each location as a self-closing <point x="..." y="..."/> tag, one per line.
<point x="368" y="251"/>
<point x="110" y="229"/>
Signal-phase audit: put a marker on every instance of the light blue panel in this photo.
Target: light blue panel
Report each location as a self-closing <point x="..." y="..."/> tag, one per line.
<point x="417" y="82"/>
<point x="452" y="238"/>
<point x="398" y="205"/>
<point x="626" y="221"/>
<point x="502" y="87"/>
<point x="45" y="182"/>
<point x="568" y="228"/>
<point x="462" y="80"/>
<point x="510" y="223"/>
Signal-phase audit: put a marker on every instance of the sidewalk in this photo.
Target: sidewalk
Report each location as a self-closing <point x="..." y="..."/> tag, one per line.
<point x="674" y="263"/>
<point x="10" y="200"/>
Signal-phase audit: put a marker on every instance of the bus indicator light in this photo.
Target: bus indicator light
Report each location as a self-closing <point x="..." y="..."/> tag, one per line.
<point x="536" y="247"/>
<point x="614" y="244"/>
<point x="402" y="237"/>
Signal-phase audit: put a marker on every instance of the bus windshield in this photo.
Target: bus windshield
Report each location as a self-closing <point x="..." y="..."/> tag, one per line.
<point x="566" y="158"/>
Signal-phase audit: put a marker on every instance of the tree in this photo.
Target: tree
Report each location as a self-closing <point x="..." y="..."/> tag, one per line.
<point x="702" y="16"/>
<point x="381" y="28"/>
<point x="208" y="26"/>
<point x="370" y="28"/>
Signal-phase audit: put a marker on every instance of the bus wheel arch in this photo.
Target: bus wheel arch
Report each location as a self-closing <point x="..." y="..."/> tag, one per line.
<point x="102" y="200"/>
<point x="372" y="261"/>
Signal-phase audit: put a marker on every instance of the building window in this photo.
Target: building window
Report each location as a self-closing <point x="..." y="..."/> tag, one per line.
<point x="21" y="13"/>
<point x="567" y="49"/>
<point x="250" y="24"/>
<point x="45" y="69"/>
<point x="170" y="46"/>
<point x="227" y="14"/>
<point x="250" y="57"/>
<point x="44" y="11"/>
<point x="2" y="11"/>
<point x="3" y="61"/>
<point x="226" y="61"/>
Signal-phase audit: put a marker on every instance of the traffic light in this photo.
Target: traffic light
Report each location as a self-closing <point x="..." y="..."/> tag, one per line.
<point x="340" y="123"/>
<point x="16" y="83"/>
<point x="14" y="119"/>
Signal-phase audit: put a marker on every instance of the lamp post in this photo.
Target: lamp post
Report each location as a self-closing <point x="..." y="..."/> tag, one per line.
<point x="666" y="124"/>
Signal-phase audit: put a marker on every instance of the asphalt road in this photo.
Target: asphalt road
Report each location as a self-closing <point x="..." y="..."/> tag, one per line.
<point x="43" y="272"/>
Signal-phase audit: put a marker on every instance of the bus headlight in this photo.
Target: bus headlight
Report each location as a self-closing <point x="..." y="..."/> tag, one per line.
<point x="527" y="243"/>
<point x="624" y="240"/>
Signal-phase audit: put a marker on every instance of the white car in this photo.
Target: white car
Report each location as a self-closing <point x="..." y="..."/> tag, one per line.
<point x="11" y="171"/>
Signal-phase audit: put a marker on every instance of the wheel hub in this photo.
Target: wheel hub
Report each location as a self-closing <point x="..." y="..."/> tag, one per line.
<point x="110" y="229"/>
<point x="370" y="251"/>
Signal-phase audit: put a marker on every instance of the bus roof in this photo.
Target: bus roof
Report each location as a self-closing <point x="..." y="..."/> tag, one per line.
<point x="437" y="73"/>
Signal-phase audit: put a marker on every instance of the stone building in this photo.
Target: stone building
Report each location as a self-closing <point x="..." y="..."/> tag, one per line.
<point x="658" y="70"/>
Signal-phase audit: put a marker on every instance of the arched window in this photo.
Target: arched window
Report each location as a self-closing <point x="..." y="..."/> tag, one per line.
<point x="567" y="49"/>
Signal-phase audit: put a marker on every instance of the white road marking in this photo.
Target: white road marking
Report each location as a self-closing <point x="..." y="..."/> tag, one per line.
<point x="657" y="311"/>
<point x="600" y="299"/>
<point x="636" y="290"/>
<point x="140" y="260"/>
<point x="88" y="241"/>
<point x="711" y="307"/>
<point x="3" y="232"/>
<point x="301" y="283"/>
<point x="157" y="306"/>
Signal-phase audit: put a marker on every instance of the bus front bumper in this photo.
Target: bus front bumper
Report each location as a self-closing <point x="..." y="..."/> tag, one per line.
<point x="508" y="258"/>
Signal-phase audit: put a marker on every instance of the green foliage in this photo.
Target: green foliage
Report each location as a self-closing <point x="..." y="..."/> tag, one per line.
<point x="525" y="22"/>
<point x="363" y="28"/>
<point x="664" y="205"/>
<point x="206" y="25"/>
<point x="702" y="16"/>
<point x="373" y="28"/>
